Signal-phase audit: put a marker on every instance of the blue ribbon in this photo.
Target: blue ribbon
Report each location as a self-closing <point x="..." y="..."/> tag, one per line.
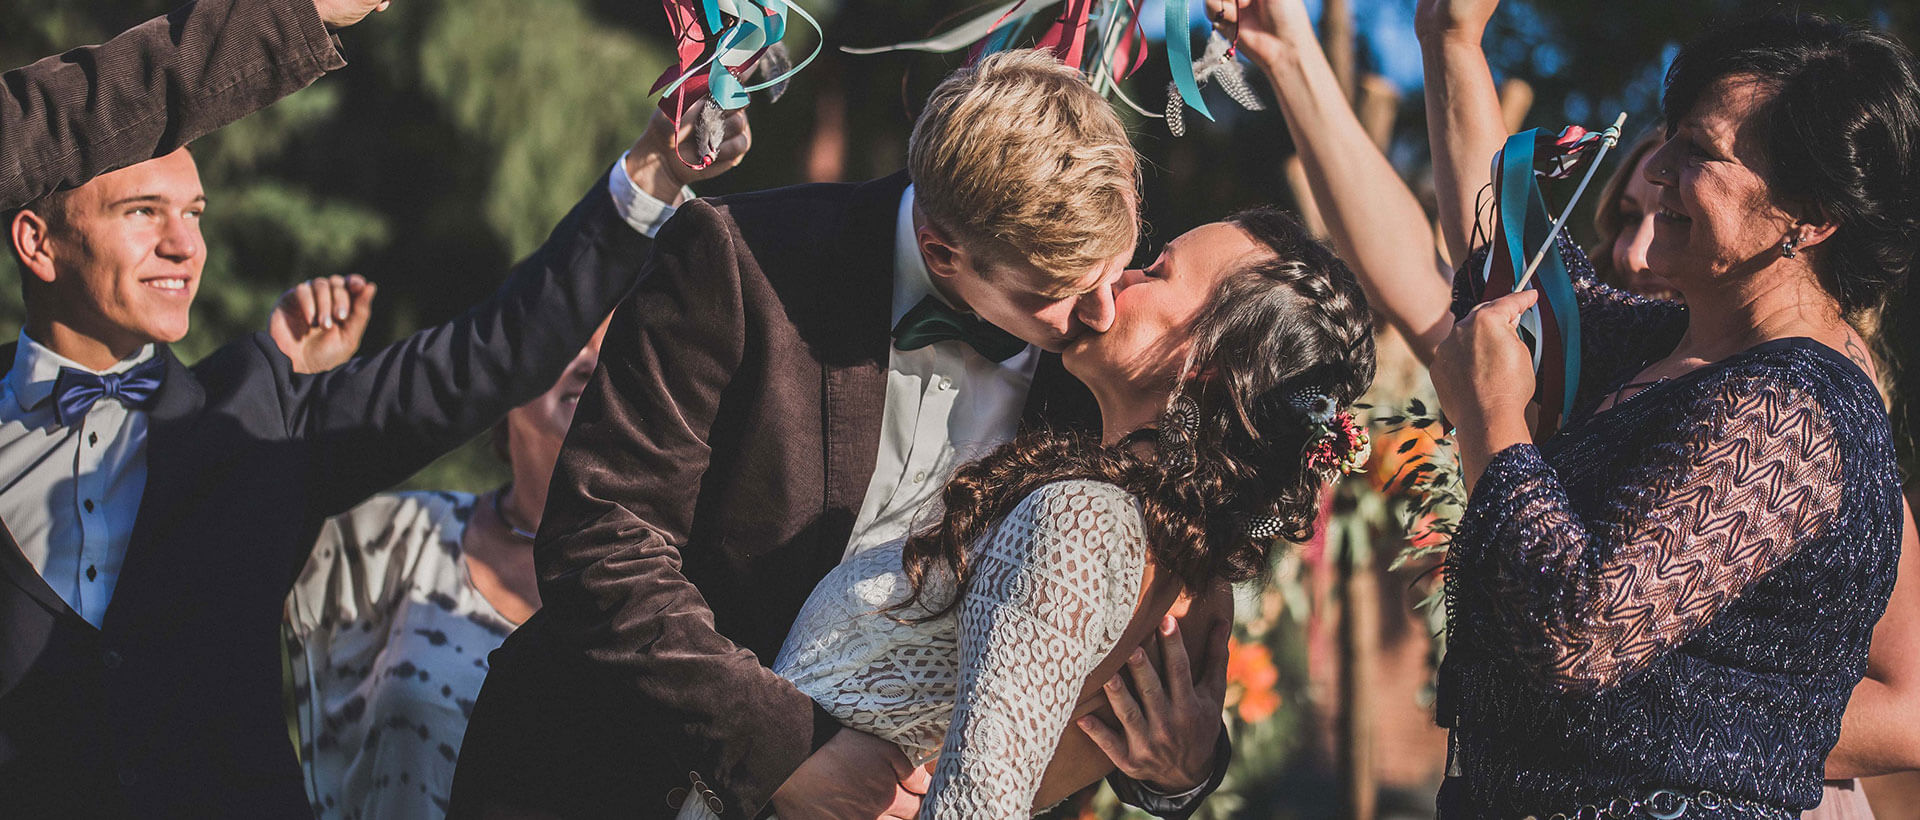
<point x="1524" y="224"/>
<point x="1180" y="55"/>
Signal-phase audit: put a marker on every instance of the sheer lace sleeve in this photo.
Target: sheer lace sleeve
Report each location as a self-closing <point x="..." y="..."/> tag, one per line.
<point x="1054" y="586"/>
<point x="1620" y="332"/>
<point x="1587" y="603"/>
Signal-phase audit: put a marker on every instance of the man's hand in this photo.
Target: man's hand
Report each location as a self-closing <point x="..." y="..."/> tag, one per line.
<point x="1171" y="729"/>
<point x="318" y="323"/>
<point x="855" y="776"/>
<point x="343" y="13"/>
<point x="656" y="169"/>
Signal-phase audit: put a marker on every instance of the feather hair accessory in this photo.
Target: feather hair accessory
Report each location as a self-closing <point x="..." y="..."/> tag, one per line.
<point x="1219" y="65"/>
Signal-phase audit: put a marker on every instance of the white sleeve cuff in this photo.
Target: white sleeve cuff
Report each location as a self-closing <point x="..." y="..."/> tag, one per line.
<point x="640" y="209"/>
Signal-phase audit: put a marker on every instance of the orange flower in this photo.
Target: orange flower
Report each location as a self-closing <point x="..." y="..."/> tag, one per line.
<point x="1258" y="705"/>
<point x="1251" y="678"/>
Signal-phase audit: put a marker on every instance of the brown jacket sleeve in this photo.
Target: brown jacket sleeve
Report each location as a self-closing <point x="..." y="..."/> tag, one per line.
<point x="621" y="508"/>
<point x="71" y="117"/>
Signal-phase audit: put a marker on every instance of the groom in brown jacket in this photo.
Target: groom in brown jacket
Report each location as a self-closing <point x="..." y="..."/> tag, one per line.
<point x="796" y="374"/>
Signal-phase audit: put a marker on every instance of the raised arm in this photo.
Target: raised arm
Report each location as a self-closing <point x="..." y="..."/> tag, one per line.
<point x="71" y="117"/>
<point x="1755" y="475"/>
<point x="1376" y="223"/>
<point x="1463" y="111"/>
<point x="1053" y="589"/>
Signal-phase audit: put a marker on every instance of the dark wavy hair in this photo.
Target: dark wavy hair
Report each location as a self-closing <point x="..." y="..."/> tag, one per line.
<point x="1841" y="134"/>
<point x="1288" y="323"/>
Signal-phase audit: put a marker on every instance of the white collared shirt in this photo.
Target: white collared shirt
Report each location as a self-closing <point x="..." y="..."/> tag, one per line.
<point x="946" y="405"/>
<point x="70" y="494"/>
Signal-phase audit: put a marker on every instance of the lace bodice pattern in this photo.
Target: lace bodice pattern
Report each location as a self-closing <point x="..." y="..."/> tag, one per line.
<point x="1674" y="593"/>
<point x="989" y="687"/>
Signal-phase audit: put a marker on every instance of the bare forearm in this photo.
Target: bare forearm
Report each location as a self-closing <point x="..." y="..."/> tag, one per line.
<point x="1464" y="127"/>
<point x="1877" y="734"/>
<point x="1376" y="223"/>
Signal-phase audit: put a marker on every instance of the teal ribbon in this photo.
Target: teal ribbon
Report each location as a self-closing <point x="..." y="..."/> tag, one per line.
<point x="1524" y="225"/>
<point x="932" y="321"/>
<point x="1180" y="55"/>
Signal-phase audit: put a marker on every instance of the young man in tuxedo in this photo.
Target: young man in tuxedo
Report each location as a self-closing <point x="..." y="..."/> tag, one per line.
<point x="155" y="514"/>
<point x="796" y="375"/>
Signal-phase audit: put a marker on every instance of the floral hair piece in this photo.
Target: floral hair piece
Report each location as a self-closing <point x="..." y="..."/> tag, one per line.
<point x="1337" y="443"/>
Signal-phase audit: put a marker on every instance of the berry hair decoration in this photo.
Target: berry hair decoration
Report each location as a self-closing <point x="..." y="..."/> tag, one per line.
<point x="1337" y="443"/>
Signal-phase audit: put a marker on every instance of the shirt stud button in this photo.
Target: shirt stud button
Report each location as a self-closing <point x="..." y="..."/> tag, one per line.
<point x="93" y="439"/>
<point x="91" y="572"/>
<point x="946" y="384"/>
<point x="88" y="504"/>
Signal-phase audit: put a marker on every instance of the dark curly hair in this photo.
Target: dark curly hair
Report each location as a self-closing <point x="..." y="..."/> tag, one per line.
<point x="1841" y="134"/>
<point x="1292" y="322"/>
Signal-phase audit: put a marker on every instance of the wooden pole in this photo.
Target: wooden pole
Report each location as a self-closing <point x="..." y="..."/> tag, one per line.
<point x="1337" y="37"/>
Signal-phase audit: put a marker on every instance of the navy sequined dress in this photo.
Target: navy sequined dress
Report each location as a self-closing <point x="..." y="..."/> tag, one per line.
<point x="1672" y="594"/>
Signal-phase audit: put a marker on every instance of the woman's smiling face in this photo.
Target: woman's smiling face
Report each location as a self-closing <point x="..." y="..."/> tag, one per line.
<point x="1716" y="213"/>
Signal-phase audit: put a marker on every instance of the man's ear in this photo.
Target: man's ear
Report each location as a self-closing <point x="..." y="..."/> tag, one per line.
<point x="944" y="257"/>
<point x="32" y="241"/>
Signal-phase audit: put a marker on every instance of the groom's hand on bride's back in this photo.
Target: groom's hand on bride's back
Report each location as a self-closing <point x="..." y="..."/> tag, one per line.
<point x="853" y="777"/>
<point x="1170" y="717"/>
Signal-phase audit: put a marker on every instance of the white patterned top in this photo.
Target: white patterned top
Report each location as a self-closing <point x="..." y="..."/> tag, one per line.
<point x="989" y="687"/>
<point x="388" y="639"/>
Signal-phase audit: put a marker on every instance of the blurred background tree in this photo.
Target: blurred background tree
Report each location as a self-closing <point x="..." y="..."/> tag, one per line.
<point x="464" y="129"/>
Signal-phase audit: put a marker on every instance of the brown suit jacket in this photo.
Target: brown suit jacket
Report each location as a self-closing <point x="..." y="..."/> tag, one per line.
<point x="69" y="118"/>
<point x="711" y="478"/>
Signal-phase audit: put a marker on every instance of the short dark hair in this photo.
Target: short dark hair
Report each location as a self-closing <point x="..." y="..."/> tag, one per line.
<point x="1841" y="133"/>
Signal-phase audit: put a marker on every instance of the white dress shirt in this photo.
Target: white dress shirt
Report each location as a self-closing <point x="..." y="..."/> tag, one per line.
<point x="70" y="496"/>
<point x="71" y="493"/>
<point x="946" y="405"/>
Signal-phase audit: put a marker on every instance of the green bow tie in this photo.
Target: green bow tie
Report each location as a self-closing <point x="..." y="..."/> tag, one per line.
<point x="932" y="321"/>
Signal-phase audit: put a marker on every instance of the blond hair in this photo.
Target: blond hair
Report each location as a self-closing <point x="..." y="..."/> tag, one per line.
<point x="1020" y="160"/>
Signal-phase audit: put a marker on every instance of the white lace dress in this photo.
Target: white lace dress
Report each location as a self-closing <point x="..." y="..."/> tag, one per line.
<point x="990" y="686"/>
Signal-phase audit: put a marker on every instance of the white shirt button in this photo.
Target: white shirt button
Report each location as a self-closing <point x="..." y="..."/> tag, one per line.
<point x="920" y="477"/>
<point x="946" y="384"/>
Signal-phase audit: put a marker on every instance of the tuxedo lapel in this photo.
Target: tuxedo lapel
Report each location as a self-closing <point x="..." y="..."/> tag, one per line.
<point x="857" y="293"/>
<point x="175" y="411"/>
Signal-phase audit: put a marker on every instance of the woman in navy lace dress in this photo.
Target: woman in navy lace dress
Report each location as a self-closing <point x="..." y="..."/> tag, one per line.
<point x="1663" y="608"/>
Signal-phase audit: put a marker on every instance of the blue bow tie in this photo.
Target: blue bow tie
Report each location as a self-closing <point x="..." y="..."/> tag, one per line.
<point x="76" y="391"/>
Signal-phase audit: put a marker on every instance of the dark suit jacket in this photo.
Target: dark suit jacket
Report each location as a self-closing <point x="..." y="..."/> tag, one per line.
<point x="173" y="707"/>
<point x="712" y="477"/>
<point x="71" y="117"/>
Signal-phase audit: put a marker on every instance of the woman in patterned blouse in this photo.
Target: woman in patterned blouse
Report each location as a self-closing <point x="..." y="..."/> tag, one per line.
<point x="1664" y="607"/>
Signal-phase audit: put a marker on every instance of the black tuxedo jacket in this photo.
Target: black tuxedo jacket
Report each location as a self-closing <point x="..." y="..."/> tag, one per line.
<point x="173" y="707"/>
<point x="711" y="478"/>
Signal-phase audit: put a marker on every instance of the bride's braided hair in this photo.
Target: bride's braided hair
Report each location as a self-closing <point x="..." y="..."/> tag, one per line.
<point x="1291" y="322"/>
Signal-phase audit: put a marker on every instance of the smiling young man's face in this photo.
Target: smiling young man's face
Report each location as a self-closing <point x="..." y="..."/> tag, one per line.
<point x="125" y="255"/>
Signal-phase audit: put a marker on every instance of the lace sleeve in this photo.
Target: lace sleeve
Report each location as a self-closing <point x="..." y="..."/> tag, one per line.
<point x="1587" y="604"/>
<point x="1054" y="586"/>
<point x="1620" y="332"/>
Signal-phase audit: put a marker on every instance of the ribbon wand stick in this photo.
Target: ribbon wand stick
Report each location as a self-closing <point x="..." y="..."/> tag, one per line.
<point x="1608" y="139"/>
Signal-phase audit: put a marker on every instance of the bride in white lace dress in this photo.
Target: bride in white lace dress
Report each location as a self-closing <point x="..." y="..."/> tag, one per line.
<point x="978" y="640"/>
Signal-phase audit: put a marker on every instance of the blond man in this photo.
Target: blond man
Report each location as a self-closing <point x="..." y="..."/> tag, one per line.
<point x="792" y="382"/>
